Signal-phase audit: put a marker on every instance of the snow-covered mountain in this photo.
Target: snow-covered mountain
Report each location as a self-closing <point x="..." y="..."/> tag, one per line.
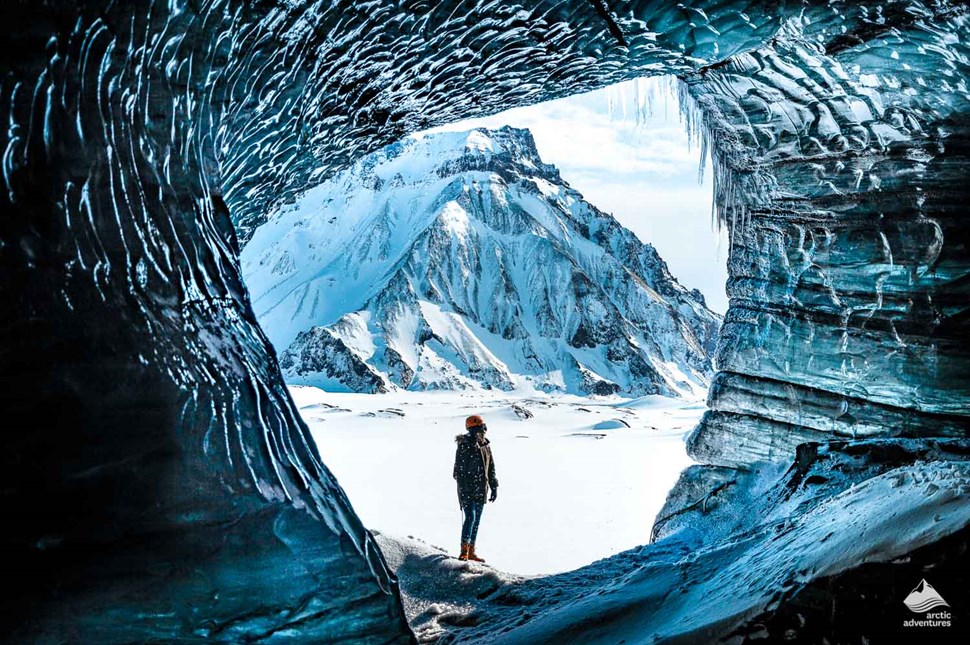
<point x="461" y="260"/>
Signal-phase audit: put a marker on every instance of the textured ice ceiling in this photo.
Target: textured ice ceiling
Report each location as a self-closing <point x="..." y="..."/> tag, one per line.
<point x="157" y="480"/>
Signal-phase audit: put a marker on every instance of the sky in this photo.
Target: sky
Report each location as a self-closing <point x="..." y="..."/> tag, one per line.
<point x="625" y="148"/>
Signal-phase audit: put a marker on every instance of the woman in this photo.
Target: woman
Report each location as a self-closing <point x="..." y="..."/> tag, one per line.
<point x="475" y="474"/>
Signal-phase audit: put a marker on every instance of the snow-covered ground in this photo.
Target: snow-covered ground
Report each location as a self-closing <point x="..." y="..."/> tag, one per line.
<point x="576" y="484"/>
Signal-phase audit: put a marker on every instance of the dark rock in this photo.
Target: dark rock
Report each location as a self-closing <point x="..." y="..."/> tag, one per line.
<point x="319" y="356"/>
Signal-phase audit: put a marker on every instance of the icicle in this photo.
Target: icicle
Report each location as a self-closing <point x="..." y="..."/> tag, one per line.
<point x="635" y="100"/>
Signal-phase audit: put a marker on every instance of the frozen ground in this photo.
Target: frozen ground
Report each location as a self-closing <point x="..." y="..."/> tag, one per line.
<point x="576" y="484"/>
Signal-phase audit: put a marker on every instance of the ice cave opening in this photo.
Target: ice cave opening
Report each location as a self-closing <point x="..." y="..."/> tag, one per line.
<point x="157" y="477"/>
<point x="528" y="266"/>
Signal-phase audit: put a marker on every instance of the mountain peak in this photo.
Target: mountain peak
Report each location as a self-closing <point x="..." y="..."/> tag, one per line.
<point x="516" y="142"/>
<point x="460" y="260"/>
<point x="483" y="141"/>
<point x="420" y="158"/>
<point x="502" y="150"/>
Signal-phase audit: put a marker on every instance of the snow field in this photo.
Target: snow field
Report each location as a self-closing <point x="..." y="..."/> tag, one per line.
<point x="568" y="494"/>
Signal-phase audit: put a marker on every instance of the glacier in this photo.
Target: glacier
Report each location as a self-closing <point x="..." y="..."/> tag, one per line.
<point x="158" y="483"/>
<point x="462" y="261"/>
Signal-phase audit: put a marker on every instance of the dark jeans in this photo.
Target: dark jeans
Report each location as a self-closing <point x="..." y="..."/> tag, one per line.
<point x="473" y="515"/>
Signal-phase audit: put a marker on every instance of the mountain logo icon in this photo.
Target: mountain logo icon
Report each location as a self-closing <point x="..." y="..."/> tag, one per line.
<point x="924" y="598"/>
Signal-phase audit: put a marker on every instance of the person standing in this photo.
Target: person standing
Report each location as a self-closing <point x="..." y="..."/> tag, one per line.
<point x="475" y="474"/>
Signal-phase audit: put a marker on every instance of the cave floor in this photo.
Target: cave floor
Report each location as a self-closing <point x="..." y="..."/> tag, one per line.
<point x="681" y="591"/>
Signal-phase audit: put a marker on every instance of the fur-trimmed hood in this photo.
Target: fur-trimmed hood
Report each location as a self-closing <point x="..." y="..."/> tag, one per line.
<point x="469" y="437"/>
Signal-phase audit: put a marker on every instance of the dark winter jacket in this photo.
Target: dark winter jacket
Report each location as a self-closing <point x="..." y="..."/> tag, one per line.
<point x="474" y="469"/>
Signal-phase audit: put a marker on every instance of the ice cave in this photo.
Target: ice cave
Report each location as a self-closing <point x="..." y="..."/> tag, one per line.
<point x="158" y="482"/>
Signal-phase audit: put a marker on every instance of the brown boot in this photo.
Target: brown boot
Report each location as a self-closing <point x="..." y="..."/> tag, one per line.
<point x="472" y="555"/>
<point x="465" y="548"/>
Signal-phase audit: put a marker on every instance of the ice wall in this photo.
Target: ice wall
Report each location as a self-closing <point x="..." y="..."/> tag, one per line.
<point x="157" y="481"/>
<point x="843" y="181"/>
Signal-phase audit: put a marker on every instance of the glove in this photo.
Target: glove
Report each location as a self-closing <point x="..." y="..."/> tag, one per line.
<point x="494" y="495"/>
